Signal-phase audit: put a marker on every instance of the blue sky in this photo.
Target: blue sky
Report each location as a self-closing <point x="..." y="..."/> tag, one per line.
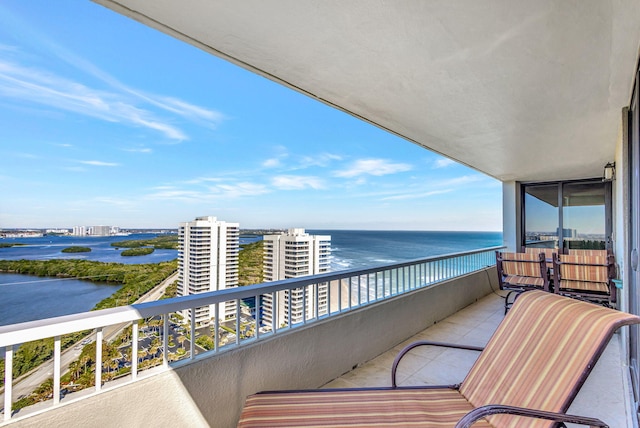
<point x="104" y="121"/>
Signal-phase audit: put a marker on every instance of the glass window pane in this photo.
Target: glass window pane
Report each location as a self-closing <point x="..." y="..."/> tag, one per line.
<point x="583" y="216"/>
<point x="541" y="216"/>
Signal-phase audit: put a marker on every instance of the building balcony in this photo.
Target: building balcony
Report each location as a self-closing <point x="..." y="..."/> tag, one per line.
<point x="209" y="388"/>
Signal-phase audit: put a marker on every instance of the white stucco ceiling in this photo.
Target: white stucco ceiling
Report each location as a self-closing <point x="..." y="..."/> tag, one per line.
<point x="518" y="89"/>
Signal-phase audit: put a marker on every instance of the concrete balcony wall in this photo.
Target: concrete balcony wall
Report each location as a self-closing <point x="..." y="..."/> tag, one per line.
<point x="211" y="391"/>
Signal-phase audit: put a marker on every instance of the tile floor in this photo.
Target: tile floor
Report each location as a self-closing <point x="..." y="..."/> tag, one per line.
<point x="603" y="395"/>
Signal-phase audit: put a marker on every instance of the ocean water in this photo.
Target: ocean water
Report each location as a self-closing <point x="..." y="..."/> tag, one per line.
<point x="362" y="249"/>
<point x="25" y="298"/>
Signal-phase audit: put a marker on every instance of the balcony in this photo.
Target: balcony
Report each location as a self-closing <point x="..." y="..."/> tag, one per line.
<point x="474" y="82"/>
<point x="209" y="388"/>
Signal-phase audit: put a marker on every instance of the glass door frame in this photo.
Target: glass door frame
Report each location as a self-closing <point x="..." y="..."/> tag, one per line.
<point x="633" y="145"/>
<point x="608" y="203"/>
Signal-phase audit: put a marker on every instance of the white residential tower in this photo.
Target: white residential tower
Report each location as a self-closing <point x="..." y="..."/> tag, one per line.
<point x="290" y="255"/>
<point x="208" y="261"/>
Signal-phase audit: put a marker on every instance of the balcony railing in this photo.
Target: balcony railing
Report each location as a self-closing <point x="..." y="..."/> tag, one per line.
<point x="339" y="292"/>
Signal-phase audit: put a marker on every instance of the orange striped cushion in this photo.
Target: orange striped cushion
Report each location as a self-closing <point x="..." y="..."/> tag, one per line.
<point x="539" y="355"/>
<point x="361" y="408"/>
<point x="600" y="287"/>
<point x="601" y="253"/>
<point x="524" y="280"/>
<point x="548" y="252"/>
<point x="521" y="269"/>
<point x="583" y="269"/>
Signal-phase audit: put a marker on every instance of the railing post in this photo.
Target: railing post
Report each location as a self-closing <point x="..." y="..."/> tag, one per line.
<point x="238" y="321"/>
<point x="256" y="307"/>
<point x="56" y="370"/>
<point x="134" y="350"/>
<point x="98" y="359"/>
<point x="8" y="381"/>
<point x="192" y="333"/>
<point x="165" y="340"/>
<point x="216" y="325"/>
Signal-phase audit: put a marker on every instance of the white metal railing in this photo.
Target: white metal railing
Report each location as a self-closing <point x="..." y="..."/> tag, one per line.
<point x="322" y="296"/>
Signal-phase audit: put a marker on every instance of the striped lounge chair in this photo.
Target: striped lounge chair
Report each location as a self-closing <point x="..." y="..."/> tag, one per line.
<point x="585" y="277"/>
<point x="599" y="253"/>
<point x="518" y="272"/>
<point x="526" y="376"/>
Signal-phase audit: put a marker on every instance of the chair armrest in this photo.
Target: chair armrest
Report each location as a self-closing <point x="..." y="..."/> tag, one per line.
<point x="425" y="343"/>
<point x="494" y="409"/>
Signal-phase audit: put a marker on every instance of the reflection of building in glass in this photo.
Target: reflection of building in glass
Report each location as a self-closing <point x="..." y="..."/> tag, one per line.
<point x="208" y="261"/>
<point x="290" y="255"/>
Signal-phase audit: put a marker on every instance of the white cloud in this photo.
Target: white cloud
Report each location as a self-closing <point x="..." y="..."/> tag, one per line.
<point x="27" y="156"/>
<point x="200" y="191"/>
<point x="201" y="180"/>
<point x="323" y="160"/>
<point x="297" y="182"/>
<point x="240" y="189"/>
<point x="271" y="163"/>
<point x="98" y="163"/>
<point x="139" y="150"/>
<point x="443" y="163"/>
<point x="108" y="200"/>
<point x="167" y="193"/>
<point x="40" y="87"/>
<point x="407" y="196"/>
<point x="375" y="167"/>
<point x="188" y="110"/>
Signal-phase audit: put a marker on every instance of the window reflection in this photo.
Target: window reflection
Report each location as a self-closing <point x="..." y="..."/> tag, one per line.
<point x="567" y="215"/>
<point x="583" y="216"/>
<point x="541" y="216"/>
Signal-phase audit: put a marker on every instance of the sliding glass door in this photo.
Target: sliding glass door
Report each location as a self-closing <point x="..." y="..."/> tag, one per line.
<point x="568" y="215"/>
<point x="634" y="238"/>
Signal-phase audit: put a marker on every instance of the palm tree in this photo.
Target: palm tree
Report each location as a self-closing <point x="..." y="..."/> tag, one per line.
<point x="142" y="353"/>
<point x="181" y="340"/>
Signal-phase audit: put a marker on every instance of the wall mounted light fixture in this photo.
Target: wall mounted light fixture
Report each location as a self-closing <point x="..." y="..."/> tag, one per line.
<point x="609" y="172"/>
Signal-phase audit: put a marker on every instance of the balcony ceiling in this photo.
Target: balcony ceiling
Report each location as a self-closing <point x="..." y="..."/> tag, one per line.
<point x="518" y="89"/>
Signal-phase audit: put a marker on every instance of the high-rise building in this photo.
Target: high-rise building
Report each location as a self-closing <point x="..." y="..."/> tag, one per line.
<point x="99" y="230"/>
<point x="208" y="261"/>
<point x="290" y="255"/>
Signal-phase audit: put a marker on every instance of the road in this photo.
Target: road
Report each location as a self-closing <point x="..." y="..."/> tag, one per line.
<point x="30" y="381"/>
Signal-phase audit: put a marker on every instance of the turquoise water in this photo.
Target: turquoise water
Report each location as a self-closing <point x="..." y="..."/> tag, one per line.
<point x="25" y="298"/>
<point x="353" y="249"/>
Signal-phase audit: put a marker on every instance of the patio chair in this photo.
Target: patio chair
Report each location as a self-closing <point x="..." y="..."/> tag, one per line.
<point x="518" y="272"/>
<point x="548" y="252"/>
<point x="527" y="376"/>
<point x="585" y="277"/>
<point x="577" y="252"/>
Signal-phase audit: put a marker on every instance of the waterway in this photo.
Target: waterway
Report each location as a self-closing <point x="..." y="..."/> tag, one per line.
<point x="26" y="297"/>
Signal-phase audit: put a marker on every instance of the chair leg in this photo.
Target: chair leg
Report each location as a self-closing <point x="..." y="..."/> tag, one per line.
<point x="507" y="303"/>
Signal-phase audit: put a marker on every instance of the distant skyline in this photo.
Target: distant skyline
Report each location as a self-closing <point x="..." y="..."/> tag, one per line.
<point x="104" y="121"/>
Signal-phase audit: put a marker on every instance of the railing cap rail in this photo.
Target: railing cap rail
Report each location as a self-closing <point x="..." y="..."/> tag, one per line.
<point x="57" y="326"/>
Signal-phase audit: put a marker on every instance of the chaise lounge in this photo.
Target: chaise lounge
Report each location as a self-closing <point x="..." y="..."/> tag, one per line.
<point x="527" y="376"/>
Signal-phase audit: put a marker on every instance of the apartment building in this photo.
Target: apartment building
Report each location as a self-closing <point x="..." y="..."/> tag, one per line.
<point x="291" y="255"/>
<point x="208" y="261"/>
